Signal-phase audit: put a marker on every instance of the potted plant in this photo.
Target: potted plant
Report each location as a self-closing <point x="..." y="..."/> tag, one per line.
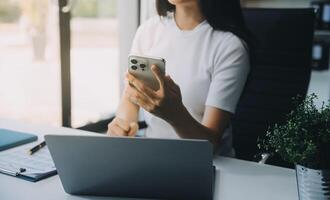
<point x="304" y="140"/>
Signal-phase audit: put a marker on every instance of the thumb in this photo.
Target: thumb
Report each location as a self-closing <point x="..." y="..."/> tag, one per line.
<point x="158" y="75"/>
<point x="134" y="127"/>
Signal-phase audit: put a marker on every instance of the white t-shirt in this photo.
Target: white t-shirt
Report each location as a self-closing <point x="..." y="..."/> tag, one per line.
<point x="210" y="66"/>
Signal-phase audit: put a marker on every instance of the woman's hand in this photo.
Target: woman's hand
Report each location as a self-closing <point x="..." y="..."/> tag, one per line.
<point x="120" y="127"/>
<point x="165" y="103"/>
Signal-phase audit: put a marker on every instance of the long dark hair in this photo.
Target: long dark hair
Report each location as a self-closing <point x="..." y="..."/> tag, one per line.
<point x="224" y="15"/>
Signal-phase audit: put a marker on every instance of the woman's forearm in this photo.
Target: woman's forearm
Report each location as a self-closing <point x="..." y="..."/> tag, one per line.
<point x="187" y="127"/>
<point x="127" y="110"/>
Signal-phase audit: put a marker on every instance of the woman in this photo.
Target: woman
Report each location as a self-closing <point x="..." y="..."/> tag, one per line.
<point x="207" y="64"/>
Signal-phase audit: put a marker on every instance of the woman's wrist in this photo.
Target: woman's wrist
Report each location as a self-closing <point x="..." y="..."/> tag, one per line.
<point x="180" y="118"/>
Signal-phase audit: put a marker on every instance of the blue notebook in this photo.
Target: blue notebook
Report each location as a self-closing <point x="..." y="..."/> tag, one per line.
<point x="9" y="138"/>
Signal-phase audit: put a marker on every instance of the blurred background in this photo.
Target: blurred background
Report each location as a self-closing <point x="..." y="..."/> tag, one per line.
<point x="82" y="84"/>
<point x="30" y="60"/>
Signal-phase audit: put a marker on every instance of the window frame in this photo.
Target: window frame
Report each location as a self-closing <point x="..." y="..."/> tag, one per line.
<point x="127" y="28"/>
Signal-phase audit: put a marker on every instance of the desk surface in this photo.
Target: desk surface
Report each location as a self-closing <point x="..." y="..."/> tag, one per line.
<point x="235" y="180"/>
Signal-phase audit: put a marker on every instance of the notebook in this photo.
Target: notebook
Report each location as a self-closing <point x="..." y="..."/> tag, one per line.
<point x="9" y="138"/>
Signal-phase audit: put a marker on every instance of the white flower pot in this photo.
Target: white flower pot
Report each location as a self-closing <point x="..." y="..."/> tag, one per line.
<point x="313" y="184"/>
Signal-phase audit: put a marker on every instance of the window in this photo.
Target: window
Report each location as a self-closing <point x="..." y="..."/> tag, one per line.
<point x="94" y="60"/>
<point x="29" y="65"/>
<point x="34" y="57"/>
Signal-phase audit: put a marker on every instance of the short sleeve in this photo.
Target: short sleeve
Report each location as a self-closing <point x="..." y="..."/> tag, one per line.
<point x="136" y="44"/>
<point x="230" y="72"/>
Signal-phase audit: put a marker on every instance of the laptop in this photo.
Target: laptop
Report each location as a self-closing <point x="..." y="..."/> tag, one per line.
<point x="133" y="167"/>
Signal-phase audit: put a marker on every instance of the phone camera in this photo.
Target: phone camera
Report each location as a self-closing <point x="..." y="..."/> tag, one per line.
<point x="134" y="61"/>
<point x="143" y="66"/>
<point x="134" y="67"/>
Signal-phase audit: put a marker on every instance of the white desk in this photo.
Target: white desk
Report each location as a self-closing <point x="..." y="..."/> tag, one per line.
<point x="235" y="180"/>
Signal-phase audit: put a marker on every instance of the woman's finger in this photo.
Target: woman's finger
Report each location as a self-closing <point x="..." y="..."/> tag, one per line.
<point x="172" y="87"/>
<point x="142" y="102"/>
<point x="169" y="82"/>
<point x="134" y="127"/>
<point x="122" y="124"/>
<point x="117" y="131"/>
<point x="138" y="98"/>
<point x="159" y="75"/>
<point x="140" y="86"/>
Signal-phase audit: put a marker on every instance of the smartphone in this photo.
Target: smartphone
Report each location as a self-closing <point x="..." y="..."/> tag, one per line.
<point x="140" y="67"/>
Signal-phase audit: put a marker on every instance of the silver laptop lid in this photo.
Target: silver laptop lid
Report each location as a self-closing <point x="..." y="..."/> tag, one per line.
<point x="133" y="167"/>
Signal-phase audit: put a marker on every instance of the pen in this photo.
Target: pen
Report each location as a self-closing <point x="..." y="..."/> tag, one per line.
<point x="11" y="172"/>
<point x="37" y="148"/>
